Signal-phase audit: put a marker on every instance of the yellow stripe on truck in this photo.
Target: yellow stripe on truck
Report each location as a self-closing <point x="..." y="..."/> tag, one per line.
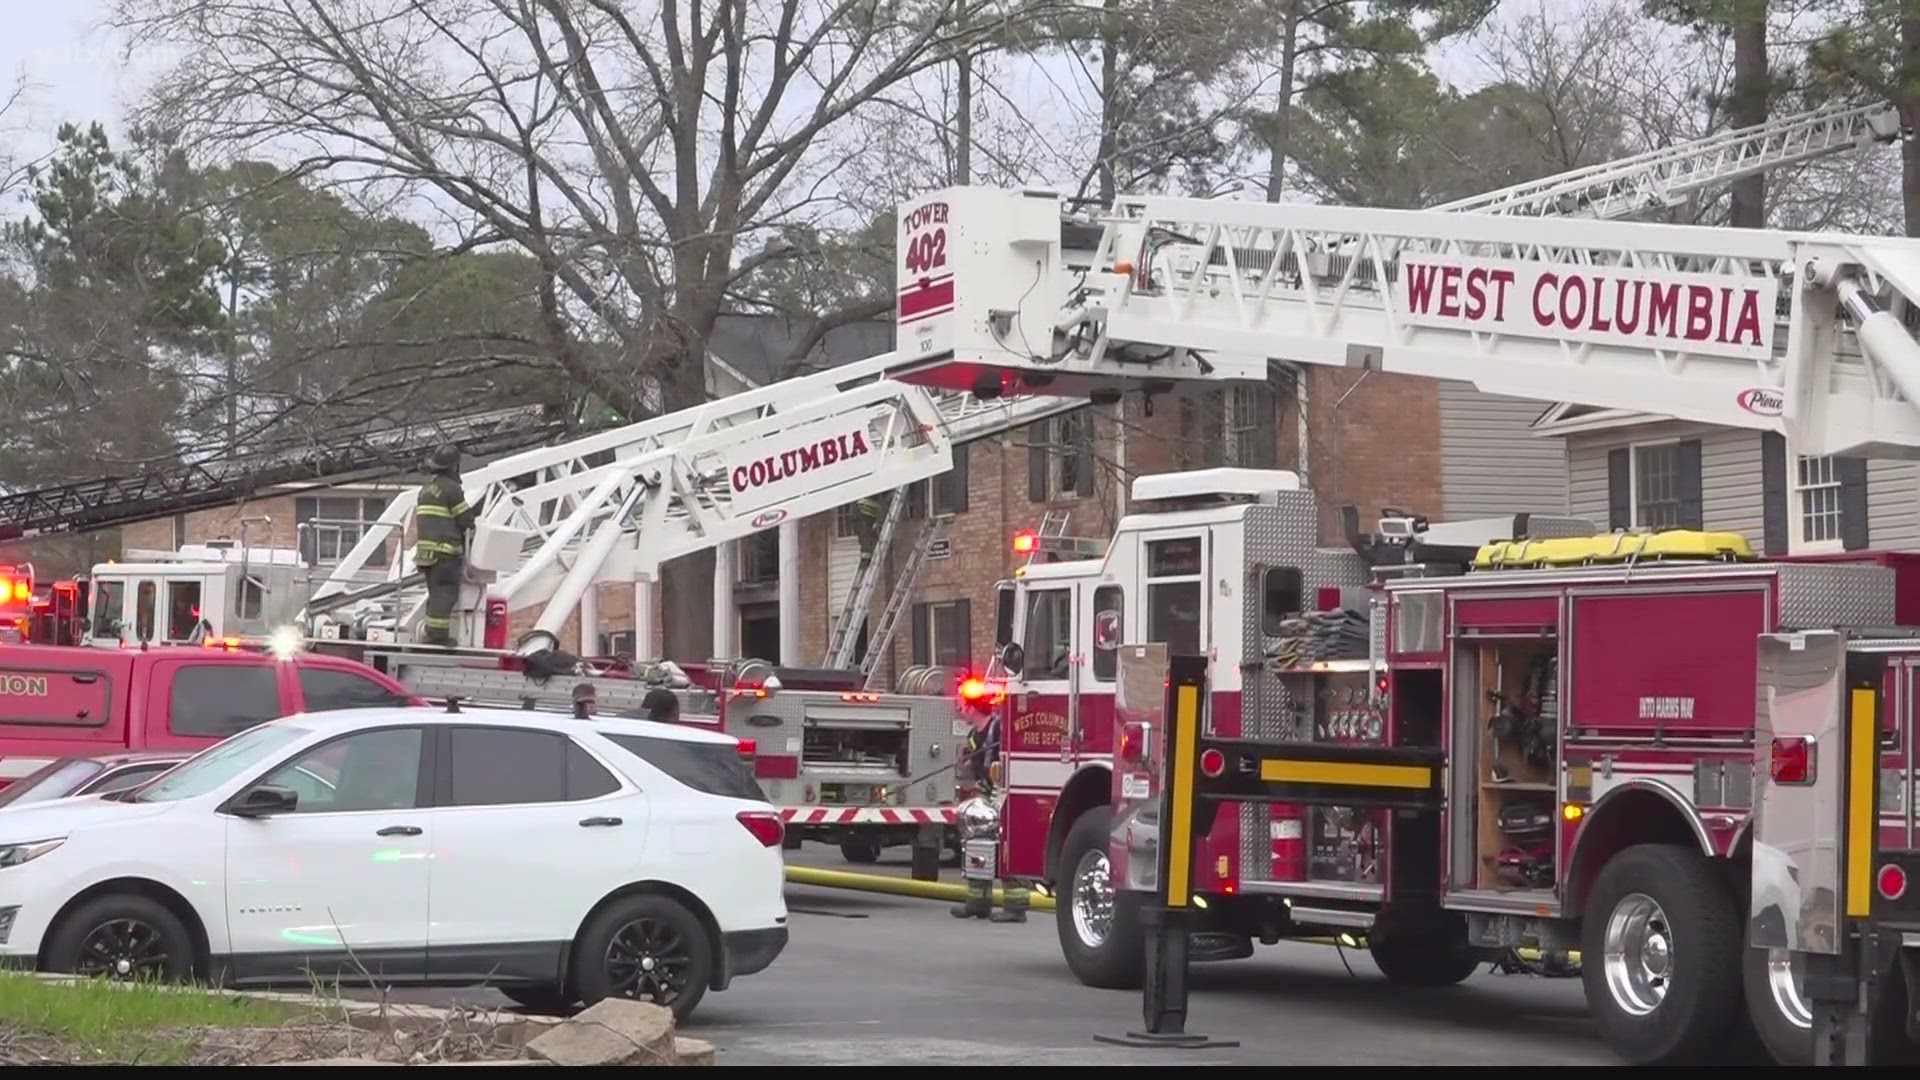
<point x="1861" y="809"/>
<point x="1186" y="726"/>
<point x="1344" y="774"/>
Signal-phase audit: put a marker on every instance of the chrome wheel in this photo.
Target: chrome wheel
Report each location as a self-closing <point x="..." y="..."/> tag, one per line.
<point x="1785" y="977"/>
<point x="123" y="949"/>
<point x="1093" y="898"/>
<point x="1638" y="954"/>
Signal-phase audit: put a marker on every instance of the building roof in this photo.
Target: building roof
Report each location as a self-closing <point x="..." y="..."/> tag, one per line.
<point x="757" y="346"/>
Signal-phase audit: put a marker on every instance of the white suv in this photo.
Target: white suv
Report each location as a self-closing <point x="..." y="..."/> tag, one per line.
<point x="557" y="859"/>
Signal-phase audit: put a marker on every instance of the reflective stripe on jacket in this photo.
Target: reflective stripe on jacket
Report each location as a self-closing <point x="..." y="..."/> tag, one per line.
<point x="441" y="519"/>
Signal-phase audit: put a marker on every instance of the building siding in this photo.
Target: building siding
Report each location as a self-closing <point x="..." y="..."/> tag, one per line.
<point x="1491" y="462"/>
<point x="1730" y="483"/>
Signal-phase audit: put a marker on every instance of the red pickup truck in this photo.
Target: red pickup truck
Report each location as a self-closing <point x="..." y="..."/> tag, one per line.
<point x="62" y="700"/>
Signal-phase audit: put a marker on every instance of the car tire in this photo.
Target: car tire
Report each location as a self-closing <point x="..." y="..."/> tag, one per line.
<point x="1100" y="930"/>
<point x="1427" y="958"/>
<point x="122" y="936"/>
<point x="648" y="948"/>
<point x="538" y="998"/>
<point x="860" y="852"/>
<point x="1661" y="952"/>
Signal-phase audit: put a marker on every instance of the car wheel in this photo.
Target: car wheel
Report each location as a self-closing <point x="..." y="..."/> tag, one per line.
<point x="647" y="948"/>
<point x="1661" y="950"/>
<point x="122" y="936"/>
<point x="1098" y="924"/>
<point x="860" y="852"/>
<point x="540" y="999"/>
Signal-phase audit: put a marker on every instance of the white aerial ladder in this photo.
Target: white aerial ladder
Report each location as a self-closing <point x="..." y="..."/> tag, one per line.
<point x="614" y="506"/>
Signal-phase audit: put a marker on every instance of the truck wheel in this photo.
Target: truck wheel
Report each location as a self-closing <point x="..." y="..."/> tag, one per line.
<point x="1661" y="949"/>
<point x="1099" y="925"/>
<point x="861" y="852"/>
<point x="1426" y="958"/>
<point x="1777" y="1003"/>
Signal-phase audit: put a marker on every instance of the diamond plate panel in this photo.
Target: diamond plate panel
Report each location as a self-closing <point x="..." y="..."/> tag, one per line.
<point x="1256" y="842"/>
<point x="1286" y="533"/>
<point x="1847" y="595"/>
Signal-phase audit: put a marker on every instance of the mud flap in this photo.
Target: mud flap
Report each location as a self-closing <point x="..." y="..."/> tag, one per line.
<point x="1910" y="970"/>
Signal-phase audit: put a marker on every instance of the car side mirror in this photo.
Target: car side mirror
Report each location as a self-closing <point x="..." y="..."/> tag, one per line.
<point x="264" y="801"/>
<point x="1013" y="657"/>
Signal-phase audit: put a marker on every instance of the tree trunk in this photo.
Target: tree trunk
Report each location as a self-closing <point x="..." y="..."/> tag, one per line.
<point x="963" y="111"/>
<point x="1109" y="91"/>
<point x="1748" y="105"/>
<point x="687" y="582"/>
<point x="1906" y="97"/>
<point x="1280" y="140"/>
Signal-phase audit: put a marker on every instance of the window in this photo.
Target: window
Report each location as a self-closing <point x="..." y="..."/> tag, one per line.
<point x="368" y="770"/>
<point x="1817" y="482"/>
<point x="53" y="781"/>
<point x="325" y="690"/>
<point x="1655" y="486"/>
<point x="1109" y="630"/>
<point x="1003" y="609"/>
<point x="943" y="633"/>
<point x="144" y="599"/>
<point x="132" y="776"/>
<point x="944" y="494"/>
<point x="1060" y="457"/>
<point x="758" y="558"/>
<point x="1811" y="505"/>
<point x="709" y="768"/>
<point x="329" y="527"/>
<point x="617" y="643"/>
<point x="107" y="598"/>
<point x="1236" y="426"/>
<point x="183" y="610"/>
<point x="849" y="519"/>
<point x="1049" y="637"/>
<point x="215" y="701"/>
<point x="209" y="770"/>
<point x="1280" y="598"/>
<point x="504" y="766"/>
<point x="1174" y="594"/>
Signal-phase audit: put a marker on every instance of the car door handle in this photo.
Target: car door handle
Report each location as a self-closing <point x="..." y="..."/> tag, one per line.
<point x="594" y="821"/>
<point x="399" y="830"/>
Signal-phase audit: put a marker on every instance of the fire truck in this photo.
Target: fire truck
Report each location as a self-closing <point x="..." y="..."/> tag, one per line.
<point x="1011" y="309"/>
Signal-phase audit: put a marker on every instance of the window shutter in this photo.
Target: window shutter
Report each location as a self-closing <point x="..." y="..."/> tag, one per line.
<point x="1687" y="484"/>
<point x="1037" y="437"/>
<point x="1852" y="474"/>
<point x="922" y="646"/>
<point x="1776" y="522"/>
<point x="957" y="483"/>
<point x="964" y="618"/>
<point x="1619" y="488"/>
<point x="1083" y="453"/>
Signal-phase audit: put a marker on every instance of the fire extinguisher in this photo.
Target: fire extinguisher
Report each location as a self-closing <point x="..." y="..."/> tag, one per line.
<point x="1289" y="842"/>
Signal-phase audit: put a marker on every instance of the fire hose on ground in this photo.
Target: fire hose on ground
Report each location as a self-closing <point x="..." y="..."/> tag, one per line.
<point x="1530" y="959"/>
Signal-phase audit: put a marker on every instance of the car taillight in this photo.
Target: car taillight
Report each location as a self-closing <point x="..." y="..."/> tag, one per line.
<point x="747" y="748"/>
<point x="1791" y="761"/>
<point x="764" y="825"/>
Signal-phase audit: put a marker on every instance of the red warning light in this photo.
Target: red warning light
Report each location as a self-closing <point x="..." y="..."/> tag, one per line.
<point x="1212" y="762"/>
<point x="1024" y="542"/>
<point x="978" y="694"/>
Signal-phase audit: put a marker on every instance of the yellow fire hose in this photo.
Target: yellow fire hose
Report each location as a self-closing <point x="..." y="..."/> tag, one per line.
<point x="934" y="890"/>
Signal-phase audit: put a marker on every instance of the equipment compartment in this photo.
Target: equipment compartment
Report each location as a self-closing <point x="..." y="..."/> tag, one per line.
<point x="1515" y="765"/>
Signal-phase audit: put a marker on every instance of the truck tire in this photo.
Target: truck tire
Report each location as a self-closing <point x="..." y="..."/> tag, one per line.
<point x="1099" y="926"/>
<point x="860" y="852"/>
<point x="1427" y="958"/>
<point x="1777" y="1005"/>
<point x="1661" y="952"/>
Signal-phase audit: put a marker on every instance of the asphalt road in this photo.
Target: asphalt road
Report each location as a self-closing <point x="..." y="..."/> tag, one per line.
<point x="881" y="980"/>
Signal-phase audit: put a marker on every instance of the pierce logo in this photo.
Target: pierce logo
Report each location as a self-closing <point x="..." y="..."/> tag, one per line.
<point x="1763" y="401"/>
<point x="791" y="463"/>
<point x="768" y="517"/>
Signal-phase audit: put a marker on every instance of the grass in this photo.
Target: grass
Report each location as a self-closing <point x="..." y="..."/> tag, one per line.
<point x="121" y="1022"/>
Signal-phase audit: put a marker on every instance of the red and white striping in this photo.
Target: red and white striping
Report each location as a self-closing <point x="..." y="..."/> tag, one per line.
<point x="865" y="815"/>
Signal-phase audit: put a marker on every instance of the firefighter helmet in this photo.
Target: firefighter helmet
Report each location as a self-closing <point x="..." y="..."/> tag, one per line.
<point x="444" y="459"/>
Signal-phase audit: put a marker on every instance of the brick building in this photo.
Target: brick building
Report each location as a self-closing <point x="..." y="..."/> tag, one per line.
<point x="1371" y="439"/>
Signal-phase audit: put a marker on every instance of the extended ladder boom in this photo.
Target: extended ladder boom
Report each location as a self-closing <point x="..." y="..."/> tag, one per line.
<point x="1734" y="327"/>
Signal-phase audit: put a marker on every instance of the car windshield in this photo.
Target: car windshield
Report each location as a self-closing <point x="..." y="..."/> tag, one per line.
<point x="55" y="781"/>
<point x="219" y="764"/>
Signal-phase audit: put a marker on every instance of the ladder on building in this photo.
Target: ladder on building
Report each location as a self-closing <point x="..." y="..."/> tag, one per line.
<point x="897" y="602"/>
<point x="853" y="613"/>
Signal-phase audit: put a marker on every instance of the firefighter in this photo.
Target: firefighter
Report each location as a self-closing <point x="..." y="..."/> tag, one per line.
<point x="441" y="519"/>
<point x="586" y="700"/>
<point x="979" y="823"/>
<point x="661" y="706"/>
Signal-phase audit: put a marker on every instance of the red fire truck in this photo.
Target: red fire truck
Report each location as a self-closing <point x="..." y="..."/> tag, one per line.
<point x="1593" y="698"/>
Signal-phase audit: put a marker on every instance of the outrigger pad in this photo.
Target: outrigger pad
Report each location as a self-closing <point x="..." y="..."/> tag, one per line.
<point x="1181" y="1041"/>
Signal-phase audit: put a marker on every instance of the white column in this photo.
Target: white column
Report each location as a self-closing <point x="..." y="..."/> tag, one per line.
<point x="646" y="645"/>
<point x="790" y="594"/>
<point x="590" y="621"/>
<point x="726" y="619"/>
